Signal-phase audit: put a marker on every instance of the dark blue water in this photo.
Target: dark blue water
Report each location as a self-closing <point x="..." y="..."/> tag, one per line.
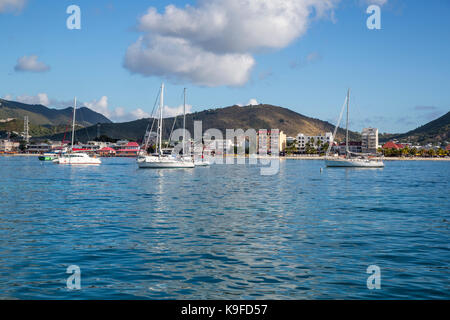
<point x="224" y="232"/>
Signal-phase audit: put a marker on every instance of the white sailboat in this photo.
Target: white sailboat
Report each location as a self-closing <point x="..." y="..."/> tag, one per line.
<point x="76" y="158"/>
<point x="351" y="159"/>
<point x="159" y="160"/>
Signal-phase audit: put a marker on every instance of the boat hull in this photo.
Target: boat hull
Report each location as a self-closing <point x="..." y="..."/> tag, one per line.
<point x="164" y="165"/>
<point x="161" y="163"/>
<point x="77" y="160"/>
<point x="354" y="163"/>
<point x="46" y="158"/>
<point x="202" y="164"/>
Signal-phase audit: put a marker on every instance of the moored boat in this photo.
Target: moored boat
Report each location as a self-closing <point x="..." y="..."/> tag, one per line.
<point x="351" y="160"/>
<point x="159" y="160"/>
<point x="76" y="158"/>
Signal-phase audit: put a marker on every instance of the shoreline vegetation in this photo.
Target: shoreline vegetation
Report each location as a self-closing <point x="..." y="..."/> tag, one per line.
<point x="290" y="157"/>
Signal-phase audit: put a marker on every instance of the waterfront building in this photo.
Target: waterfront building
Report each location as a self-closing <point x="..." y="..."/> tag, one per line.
<point x="8" y="146"/>
<point x="290" y="140"/>
<point x="392" y="145"/>
<point x="99" y="144"/>
<point x="218" y="147"/>
<point x="106" y="152"/>
<point x="303" y="140"/>
<point x="131" y="149"/>
<point x="369" y="140"/>
<point x="265" y="138"/>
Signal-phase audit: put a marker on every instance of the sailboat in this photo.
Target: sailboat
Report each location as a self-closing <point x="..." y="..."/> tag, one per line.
<point x="351" y="159"/>
<point x="159" y="160"/>
<point x="76" y="158"/>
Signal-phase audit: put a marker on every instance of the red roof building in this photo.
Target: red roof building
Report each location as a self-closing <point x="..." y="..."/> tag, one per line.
<point x="392" y="145"/>
<point x="106" y="152"/>
<point x="130" y="150"/>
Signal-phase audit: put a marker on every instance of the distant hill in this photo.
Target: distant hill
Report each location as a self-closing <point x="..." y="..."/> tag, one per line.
<point x="234" y="117"/>
<point x="40" y="115"/>
<point x="436" y="131"/>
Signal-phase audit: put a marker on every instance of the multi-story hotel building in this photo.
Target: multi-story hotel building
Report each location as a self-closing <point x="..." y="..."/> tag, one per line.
<point x="302" y="140"/>
<point x="369" y="140"/>
<point x="265" y="138"/>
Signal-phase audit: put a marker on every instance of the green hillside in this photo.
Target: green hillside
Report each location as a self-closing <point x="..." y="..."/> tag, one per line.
<point x="436" y="131"/>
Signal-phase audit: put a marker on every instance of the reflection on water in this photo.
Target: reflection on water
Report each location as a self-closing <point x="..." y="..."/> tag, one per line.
<point x="223" y="232"/>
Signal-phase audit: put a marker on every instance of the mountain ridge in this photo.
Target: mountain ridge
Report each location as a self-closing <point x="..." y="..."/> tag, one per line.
<point x="44" y="116"/>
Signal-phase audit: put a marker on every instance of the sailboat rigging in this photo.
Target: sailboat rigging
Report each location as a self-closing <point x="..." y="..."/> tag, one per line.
<point x="351" y="159"/>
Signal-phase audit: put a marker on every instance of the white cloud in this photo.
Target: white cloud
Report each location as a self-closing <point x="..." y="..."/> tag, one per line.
<point x="178" y="59"/>
<point x="139" y="114"/>
<point x="40" y="98"/>
<point x="100" y="106"/>
<point x="118" y="114"/>
<point x="31" y="63"/>
<point x="11" y="5"/>
<point x="251" y="102"/>
<point x="169" y="112"/>
<point x="212" y="44"/>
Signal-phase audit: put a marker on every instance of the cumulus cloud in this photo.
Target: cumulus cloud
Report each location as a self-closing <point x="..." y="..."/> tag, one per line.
<point x="12" y="5"/>
<point x="177" y="59"/>
<point x="118" y="114"/>
<point x="213" y="43"/>
<point x="251" y="102"/>
<point x="31" y="64"/>
<point x="40" y="98"/>
<point x="169" y="112"/>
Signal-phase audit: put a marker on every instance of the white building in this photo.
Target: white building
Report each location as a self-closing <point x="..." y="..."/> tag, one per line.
<point x="302" y="140"/>
<point x="369" y="140"/>
<point x="218" y="146"/>
<point x="8" y="146"/>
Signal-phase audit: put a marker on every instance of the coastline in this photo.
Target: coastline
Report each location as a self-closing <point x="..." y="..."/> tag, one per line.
<point x="303" y="157"/>
<point x="384" y="159"/>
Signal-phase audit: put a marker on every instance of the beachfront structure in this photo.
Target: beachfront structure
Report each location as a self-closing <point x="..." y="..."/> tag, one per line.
<point x="265" y="138"/>
<point x="303" y="140"/>
<point x="99" y="144"/>
<point x="131" y="149"/>
<point x="44" y="147"/>
<point x="8" y="146"/>
<point x="218" y="147"/>
<point x="106" y="152"/>
<point x="393" y="145"/>
<point x="369" y="140"/>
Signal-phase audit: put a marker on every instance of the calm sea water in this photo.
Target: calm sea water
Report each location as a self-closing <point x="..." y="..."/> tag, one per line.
<point x="224" y="232"/>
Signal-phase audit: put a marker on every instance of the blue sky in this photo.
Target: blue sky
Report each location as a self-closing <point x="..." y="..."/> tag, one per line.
<point x="399" y="75"/>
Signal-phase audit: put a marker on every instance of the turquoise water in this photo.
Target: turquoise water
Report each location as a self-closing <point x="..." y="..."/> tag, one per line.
<point x="224" y="232"/>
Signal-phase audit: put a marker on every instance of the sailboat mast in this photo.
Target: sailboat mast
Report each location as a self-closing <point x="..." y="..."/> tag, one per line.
<point x="184" y="123"/>
<point x="73" y="121"/>
<point x="161" y="106"/>
<point x="346" y="129"/>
